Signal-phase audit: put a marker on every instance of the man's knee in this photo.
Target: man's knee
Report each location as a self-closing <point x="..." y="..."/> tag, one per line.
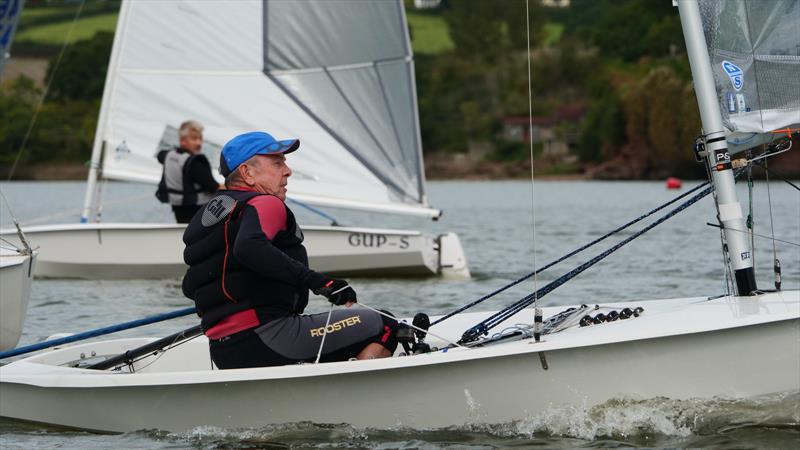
<point x="374" y="351"/>
<point x="388" y="338"/>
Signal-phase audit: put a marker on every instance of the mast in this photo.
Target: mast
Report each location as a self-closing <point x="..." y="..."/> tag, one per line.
<point x="102" y="120"/>
<point x="716" y="147"/>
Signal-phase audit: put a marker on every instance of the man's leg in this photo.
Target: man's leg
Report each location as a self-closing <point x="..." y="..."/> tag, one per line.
<point x="374" y="351"/>
<point x="351" y="333"/>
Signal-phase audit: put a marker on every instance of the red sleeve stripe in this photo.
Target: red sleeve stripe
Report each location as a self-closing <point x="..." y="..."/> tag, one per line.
<point x="271" y="214"/>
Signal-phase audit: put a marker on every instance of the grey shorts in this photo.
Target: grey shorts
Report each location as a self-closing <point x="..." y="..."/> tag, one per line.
<point x="349" y="331"/>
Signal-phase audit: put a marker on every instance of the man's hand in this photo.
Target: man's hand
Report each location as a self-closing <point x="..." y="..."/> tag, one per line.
<point x="337" y="292"/>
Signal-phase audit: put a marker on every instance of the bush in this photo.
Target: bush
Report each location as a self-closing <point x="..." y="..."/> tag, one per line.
<point x="81" y="74"/>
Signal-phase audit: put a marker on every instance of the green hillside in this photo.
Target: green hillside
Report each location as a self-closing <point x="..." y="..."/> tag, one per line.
<point x="64" y="31"/>
<point x="429" y="33"/>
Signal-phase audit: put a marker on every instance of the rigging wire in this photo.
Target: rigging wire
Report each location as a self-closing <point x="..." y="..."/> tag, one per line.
<point x="538" y="312"/>
<point x="46" y="90"/>
<point x="764" y="166"/>
<point x="776" y="261"/>
<point x="71" y="211"/>
<point x="483" y="327"/>
<point x="773" y="238"/>
<point x="314" y="210"/>
<point x="324" y="334"/>
<point x="410" y="325"/>
<point x="570" y="254"/>
<point x="750" y="217"/>
<point x="769" y="202"/>
<point x="26" y="250"/>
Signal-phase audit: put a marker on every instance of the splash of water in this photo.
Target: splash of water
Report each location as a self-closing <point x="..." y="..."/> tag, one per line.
<point x="634" y="421"/>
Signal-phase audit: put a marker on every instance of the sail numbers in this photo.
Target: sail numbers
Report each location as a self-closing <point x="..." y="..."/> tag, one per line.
<point x="373" y="240"/>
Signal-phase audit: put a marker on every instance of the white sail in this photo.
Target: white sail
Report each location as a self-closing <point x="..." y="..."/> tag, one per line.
<point x="754" y="47"/>
<point x="337" y="75"/>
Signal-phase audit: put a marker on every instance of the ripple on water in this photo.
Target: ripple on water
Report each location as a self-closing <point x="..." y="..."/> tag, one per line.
<point x="772" y="420"/>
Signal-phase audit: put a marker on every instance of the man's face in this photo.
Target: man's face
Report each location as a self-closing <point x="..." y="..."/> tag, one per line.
<point x="268" y="174"/>
<point x="192" y="141"/>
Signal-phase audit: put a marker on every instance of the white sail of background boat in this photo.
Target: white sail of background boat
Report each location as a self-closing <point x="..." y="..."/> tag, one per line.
<point x="742" y="344"/>
<point x="337" y="75"/>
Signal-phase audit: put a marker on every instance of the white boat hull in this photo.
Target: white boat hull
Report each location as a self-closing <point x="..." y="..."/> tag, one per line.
<point x="16" y="275"/>
<point x="680" y="349"/>
<point x="132" y="251"/>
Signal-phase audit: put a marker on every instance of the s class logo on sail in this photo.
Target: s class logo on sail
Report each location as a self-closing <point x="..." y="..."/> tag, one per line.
<point x="122" y="150"/>
<point x="735" y="74"/>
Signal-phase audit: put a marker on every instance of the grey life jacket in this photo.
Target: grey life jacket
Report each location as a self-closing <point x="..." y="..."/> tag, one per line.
<point x="182" y="191"/>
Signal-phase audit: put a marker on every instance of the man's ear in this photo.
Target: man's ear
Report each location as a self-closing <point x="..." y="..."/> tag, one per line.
<point x="245" y="174"/>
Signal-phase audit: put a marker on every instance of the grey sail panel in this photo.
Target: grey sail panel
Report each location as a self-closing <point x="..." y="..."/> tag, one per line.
<point x="348" y="64"/>
<point x="401" y="106"/>
<point x="317" y="33"/>
<point x="754" y="48"/>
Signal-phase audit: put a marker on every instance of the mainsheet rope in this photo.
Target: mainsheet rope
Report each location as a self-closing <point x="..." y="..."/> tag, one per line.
<point x="569" y="255"/>
<point x="483" y="327"/>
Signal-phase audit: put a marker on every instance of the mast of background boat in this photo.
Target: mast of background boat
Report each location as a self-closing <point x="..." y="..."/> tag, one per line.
<point x="716" y="147"/>
<point x="99" y="135"/>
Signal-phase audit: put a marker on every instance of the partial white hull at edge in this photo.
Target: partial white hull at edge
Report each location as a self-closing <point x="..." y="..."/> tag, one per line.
<point x="16" y="275"/>
<point x="680" y="349"/>
<point x="133" y="251"/>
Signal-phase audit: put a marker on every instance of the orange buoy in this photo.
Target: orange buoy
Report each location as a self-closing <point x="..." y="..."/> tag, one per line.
<point x="673" y="183"/>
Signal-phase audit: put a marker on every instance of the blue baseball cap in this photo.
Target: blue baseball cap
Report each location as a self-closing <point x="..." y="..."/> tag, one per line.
<point x="245" y="146"/>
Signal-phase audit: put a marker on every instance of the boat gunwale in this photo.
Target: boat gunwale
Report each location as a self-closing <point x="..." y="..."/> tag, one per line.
<point x="66" y="377"/>
<point x="126" y="226"/>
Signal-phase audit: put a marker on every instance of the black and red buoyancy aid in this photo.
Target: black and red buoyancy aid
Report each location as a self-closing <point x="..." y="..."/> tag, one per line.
<point x="219" y="278"/>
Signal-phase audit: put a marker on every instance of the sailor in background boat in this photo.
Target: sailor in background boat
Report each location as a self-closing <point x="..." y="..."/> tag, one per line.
<point x="187" y="182"/>
<point x="249" y="278"/>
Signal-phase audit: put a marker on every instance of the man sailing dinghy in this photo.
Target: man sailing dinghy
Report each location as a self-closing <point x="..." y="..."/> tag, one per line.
<point x="249" y="277"/>
<point x="741" y="344"/>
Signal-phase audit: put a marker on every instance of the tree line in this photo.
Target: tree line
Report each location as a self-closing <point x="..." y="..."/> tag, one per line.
<point x="624" y="60"/>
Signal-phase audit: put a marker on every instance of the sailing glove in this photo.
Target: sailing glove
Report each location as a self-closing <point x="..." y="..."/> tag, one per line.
<point x="336" y="291"/>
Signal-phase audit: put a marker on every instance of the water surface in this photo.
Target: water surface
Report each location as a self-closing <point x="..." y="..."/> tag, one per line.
<point x="507" y="229"/>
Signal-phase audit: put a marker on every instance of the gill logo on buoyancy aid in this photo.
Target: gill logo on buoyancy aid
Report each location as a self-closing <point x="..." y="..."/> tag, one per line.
<point x="336" y="326"/>
<point x="217" y="209"/>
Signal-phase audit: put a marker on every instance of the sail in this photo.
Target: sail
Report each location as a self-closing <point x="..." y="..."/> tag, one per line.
<point x="10" y="10"/>
<point x="337" y="75"/>
<point x="754" y="47"/>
